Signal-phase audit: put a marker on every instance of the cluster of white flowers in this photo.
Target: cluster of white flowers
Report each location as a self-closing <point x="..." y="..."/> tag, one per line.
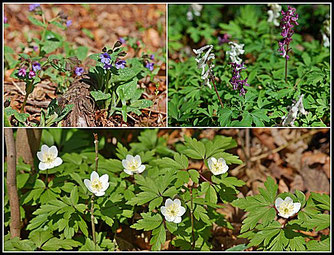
<point x="194" y="9"/>
<point x="217" y="166"/>
<point x="326" y="33"/>
<point x="286" y="208"/>
<point x="97" y="185"/>
<point x="290" y="118"/>
<point x="236" y="50"/>
<point x="202" y="60"/>
<point x="274" y="13"/>
<point x="48" y="157"/>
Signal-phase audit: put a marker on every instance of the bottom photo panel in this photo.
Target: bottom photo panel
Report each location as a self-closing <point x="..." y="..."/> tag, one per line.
<point x="184" y="189"/>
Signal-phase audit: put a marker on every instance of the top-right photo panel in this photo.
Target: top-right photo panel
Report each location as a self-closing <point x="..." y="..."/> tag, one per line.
<point x="260" y="65"/>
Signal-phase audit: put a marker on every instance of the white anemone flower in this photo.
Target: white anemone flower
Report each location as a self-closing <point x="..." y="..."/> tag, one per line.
<point x="48" y="157"/>
<point x="133" y="164"/>
<point x="97" y="185"/>
<point x="217" y="166"/>
<point x="173" y="210"/>
<point x="286" y="208"/>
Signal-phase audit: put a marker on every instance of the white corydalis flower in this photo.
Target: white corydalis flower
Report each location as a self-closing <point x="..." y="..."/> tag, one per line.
<point x="194" y="9"/>
<point x="274" y="13"/>
<point x="286" y="208"/>
<point x="173" y="210"/>
<point x="202" y="61"/>
<point x="236" y="50"/>
<point x="293" y="113"/>
<point x="133" y="164"/>
<point x="48" y="157"/>
<point x="217" y="166"/>
<point x="97" y="185"/>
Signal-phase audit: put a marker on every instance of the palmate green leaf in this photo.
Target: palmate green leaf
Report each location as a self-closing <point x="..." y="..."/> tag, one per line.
<point x="201" y="214"/>
<point x="261" y="214"/>
<point x="239" y="247"/>
<point x="279" y="242"/>
<point x="194" y="175"/>
<point x="323" y="245"/>
<point x="180" y="162"/>
<point x="194" y="149"/>
<point x="158" y="237"/>
<point x="219" y="144"/>
<point x="56" y="243"/>
<point x="40" y="237"/>
<point x="182" y="178"/>
<point x="15" y="244"/>
<point x="142" y="198"/>
<point x="321" y="200"/>
<point x="272" y="188"/>
<point x="147" y="184"/>
<point x="148" y="222"/>
<point x="155" y="203"/>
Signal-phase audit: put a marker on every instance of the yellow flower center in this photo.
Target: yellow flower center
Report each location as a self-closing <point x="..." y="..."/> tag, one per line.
<point x="286" y="208"/>
<point x="217" y="167"/>
<point x="173" y="210"/>
<point x="133" y="165"/>
<point x="48" y="158"/>
<point x="97" y="184"/>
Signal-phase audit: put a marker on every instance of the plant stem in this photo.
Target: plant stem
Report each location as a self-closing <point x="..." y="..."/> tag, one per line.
<point x="286" y="64"/>
<point x="192" y="218"/>
<point x="96" y="142"/>
<point x="24" y="103"/>
<point x="92" y="219"/>
<point x="205" y="179"/>
<point x="214" y="85"/>
<point x="47" y="178"/>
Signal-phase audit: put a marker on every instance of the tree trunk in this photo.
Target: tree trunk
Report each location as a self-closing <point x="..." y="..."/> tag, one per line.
<point x="27" y="144"/>
<point x="15" y="223"/>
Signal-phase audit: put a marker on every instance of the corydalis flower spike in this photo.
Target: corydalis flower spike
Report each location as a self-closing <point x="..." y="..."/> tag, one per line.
<point x="290" y="118"/>
<point x="202" y="62"/>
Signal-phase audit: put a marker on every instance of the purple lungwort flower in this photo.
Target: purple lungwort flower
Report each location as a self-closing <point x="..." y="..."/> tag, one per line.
<point x="122" y="40"/>
<point x="223" y="39"/>
<point x="288" y="21"/>
<point x="68" y="23"/>
<point x="152" y="56"/>
<point x="120" y="64"/>
<point x="107" y="66"/>
<point x="236" y="82"/>
<point x="35" y="48"/>
<point x="36" y="66"/>
<point x="79" y="71"/>
<point x="5" y="20"/>
<point x="32" y="74"/>
<point x="149" y="66"/>
<point x="22" y="72"/>
<point x="32" y="7"/>
<point x="105" y="58"/>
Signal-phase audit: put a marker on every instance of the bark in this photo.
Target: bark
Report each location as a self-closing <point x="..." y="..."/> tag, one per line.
<point x="15" y="224"/>
<point x="27" y="145"/>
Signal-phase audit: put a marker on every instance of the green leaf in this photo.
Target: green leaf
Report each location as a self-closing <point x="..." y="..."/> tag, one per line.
<point x="99" y="95"/>
<point x="36" y="22"/>
<point x="158" y="237"/>
<point x="140" y="104"/>
<point x="155" y="203"/>
<point x="40" y="237"/>
<point x="194" y="149"/>
<point x="74" y="196"/>
<point x="194" y="175"/>
<point x="148" y="222"/>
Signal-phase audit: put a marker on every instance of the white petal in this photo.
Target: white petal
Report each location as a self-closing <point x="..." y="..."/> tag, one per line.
<point x="182" y="210"/>
<point x="104" y="178"/>
<point x="296" y="207"/>
<point x="53" y="151"/>
<point x="177" y="201"/>
<point x="99" y="194"/>
<point x="128" y="171"/>
<point x="94" y="175"/>
<point x="58" y="161"/>
<point x="169" y="218"/>
<point x="129" y="157"/>
<point x="42" y="166"/>
<point x="225" y="169"/>
<point x="288" y="200"/>
<point x="40" y="155"/>
<point x="168" y="202"/>
<point x="125" y="163"/>
<point x="278" y="202"/>
<point x="141" y="169"/>
<point x="50" y="165"/>
<point x="44" y="149"/>
<point x="137" y="159"/>
<point x="177" y="219"/>
<point x="163" y="210"/>
<point x="88" y="184"/>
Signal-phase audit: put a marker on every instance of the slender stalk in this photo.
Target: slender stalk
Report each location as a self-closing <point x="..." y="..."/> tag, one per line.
<point x="286" y="63"/>
<point x="205" y="179"/>
<point x="24" y="102"/>
<point x="96" y="142"/>
<point x="47" y="179"/>
<point x="92" y="219"/>
<point x="15" y="222"/>
<point x="192" y="219"/>
<point x="214" y="85"/>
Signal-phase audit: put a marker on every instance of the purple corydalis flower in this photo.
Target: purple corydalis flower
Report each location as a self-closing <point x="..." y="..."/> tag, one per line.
<point x="79" y="71"/>
<point x="36" y="66"/>
<point x="22" y="72"/>
<point x="32" y="7"/>
<point x="105" y="58"/>
<point x="32" y="74"/>
<point x="223" y="39"/>
<point x="288" y="21"/>
<point x="120" y="64"/>
<point x="235" y="81"/>
<point x="122" y="40"/>
<point x="149" y="66"/>
<point x="68" y="23"/>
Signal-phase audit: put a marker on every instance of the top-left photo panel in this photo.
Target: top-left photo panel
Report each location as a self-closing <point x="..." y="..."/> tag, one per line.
<point x="84" y="65"/>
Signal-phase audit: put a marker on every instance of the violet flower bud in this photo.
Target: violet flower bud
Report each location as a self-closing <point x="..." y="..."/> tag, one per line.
<point x="32" y="74"/>
<point x="22" y="72"/>
<point x="149" y="66"/>
<point x="79" y="71"/>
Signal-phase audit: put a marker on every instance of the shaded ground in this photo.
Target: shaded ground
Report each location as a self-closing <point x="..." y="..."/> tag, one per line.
<point x="93" y="26"/>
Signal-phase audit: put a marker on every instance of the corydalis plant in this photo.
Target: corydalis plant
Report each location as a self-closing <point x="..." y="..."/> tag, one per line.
<point x="204" y="61"/>
<point x="288" y="21"/>
<point x="237" y="66"/>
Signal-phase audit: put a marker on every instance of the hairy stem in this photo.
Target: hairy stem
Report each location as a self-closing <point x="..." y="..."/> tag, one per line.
<point x="24" y="102"/>
<point x="286" y="64"/>
<point x="214" y="85"/>
<point x="15" y="223"/>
